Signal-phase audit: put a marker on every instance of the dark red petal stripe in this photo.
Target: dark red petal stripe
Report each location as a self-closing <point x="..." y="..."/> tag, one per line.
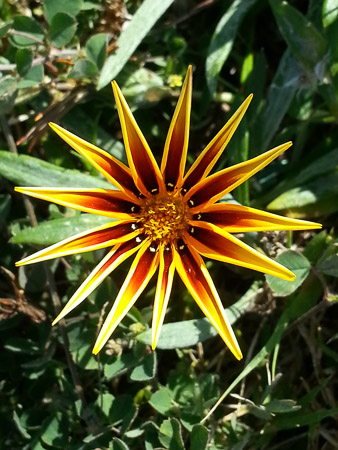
<point x="114" y="170"/>
<point x="209" y="156"/>
<point x="103" y="202"/>
<point x="141" y="161"/>
<point x="219" y="184"/>
<point x="176" y="145"/>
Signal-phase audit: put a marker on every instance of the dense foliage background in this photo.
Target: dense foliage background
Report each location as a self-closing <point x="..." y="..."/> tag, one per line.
<point x="57" y="60"/>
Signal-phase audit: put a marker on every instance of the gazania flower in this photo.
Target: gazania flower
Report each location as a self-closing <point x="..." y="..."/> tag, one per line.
<point x="165" y="217"/>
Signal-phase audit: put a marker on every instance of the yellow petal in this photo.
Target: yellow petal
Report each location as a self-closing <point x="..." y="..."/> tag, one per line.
<point x="163" y="289"/>
<point x="94" y="239"/>
<point x="114" y="170"/>
<point x="198" y="281"/>
<point x="141" y="271"/>
<point x="215" y="243"/>
<point x="209" y="156"/>
<point x="215" y="186"/>
<point x="238" y="219"/>
<point x="113" y="259"/>
<point x="176" y="144"/>
<point x="103" y="202"/>
<point x="146" y="174"/>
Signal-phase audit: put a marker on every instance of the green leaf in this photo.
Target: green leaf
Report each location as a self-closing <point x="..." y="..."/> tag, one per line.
<point x="33" y="77"/>
<point x="161" y="401"/>
<point x="320" y="166"/>
<point x="142" y="86"/>
<point x="189" y="332"/>
<point x="303" y="39"/>
<point x="79" y="336"/>
<point x="28" y="171"/>
<point x="48" y="233"/>
<point x="96" y="49"/>
<point x="223" y="39"/>
<point x="329" y="266"/>
<point x="8" y="93"/>
<point x="329" y="12"/>
<point x="55" y="431"/>
<point x="121" y="364"/>
<point x="298" y="264"/>
<point x="170" y="435"/>
<point x="313" y="199"/>
<point x="4" y="28"/>
<point x="146" y="370"/>
<point x="28" y="26"/>
<point x="144" y="19"/>
<point x="83" y="68"/>
<point x="5" y="205"/>
<point x="301" y="419"/>
<point x="53" y="7"/>
<point x="118" y="444"/>
<point x="256" y="360"/>
<point x="23" y="59"/>
<point x="20" y="427"/>
<point x="277" y="406"/>
<point x="199" y="438"/>
<point x="121" y="408"/>
<point x="316" y="247"/>
<point x="62" y="29"/>
<point x="279" y="98"/>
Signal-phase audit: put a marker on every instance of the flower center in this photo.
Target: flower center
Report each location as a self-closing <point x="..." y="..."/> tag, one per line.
<point x="165" y="217"/>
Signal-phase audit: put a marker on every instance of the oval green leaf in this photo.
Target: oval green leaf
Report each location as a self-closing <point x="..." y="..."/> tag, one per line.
<point x="53" y="7"/>
<point x="29" y="27"/>
<point x="298" y="264"/>
<point x="62" y="29"/>
<point x="23" y="59"/>
<point x="83" y="69"/>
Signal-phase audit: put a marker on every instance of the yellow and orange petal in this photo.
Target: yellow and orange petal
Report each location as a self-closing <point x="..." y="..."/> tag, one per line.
<point x="176" y="144"/>
<point x="168" y="218"/>
<point x="216" y="186"/>
<point x="103" y="202"/>
<point x="113" y="169"/>
<point x="141" y="271"/>
<point x="195" y="276"/>
<point x="101" y="237"/>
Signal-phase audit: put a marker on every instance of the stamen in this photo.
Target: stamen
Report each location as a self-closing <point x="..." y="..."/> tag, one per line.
<point x="134" y="209"/>
<point x="134" y="226"/>
<point x="181" y="245"/>
<point x="153" y="247"/>
<point x="191" y="203"/>
<point x="165" y="217"/>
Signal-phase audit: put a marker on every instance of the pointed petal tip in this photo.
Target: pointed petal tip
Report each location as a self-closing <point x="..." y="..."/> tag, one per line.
<point x="286" y="275"/>
<point x="248" y="99"/>
<point x="237" y="353"/>
<point x="314" y="226"/>
<point x="292" y="277"/>
<point x="96" y="349"/>
<point x="55" y="321"/>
